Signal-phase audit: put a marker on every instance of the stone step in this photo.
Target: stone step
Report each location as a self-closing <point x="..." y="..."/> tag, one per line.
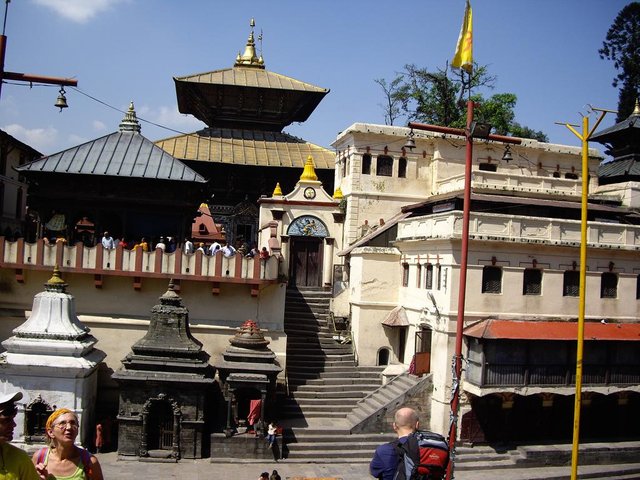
<point x="346" y="387"/>
<point x="341" y="381"/>
<point x="321" y="402"/>
<point x="355" y="394"/>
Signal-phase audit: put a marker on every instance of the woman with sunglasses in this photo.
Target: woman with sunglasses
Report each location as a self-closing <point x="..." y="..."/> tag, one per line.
<point x="62" y="459"/>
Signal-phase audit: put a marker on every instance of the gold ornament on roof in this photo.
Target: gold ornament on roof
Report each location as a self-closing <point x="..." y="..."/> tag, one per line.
<point x="249" y="58"/>
<point x="130" y="121"/>
<point x="337" y="195"/>
<point x="309" y="172"/>
<point x="636" y="109"/>
<point x="277" y="192"/>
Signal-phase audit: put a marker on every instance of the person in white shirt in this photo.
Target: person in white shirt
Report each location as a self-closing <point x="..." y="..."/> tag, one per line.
<point x="214" y="248"/>
<point x="161" y="245"/>
<point x="188" y="246"/>
<point x="228" y="250"/>
<point x="107" y="241"/>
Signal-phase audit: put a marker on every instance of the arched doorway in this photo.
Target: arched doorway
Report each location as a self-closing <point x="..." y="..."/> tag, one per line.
<point x="306" y="235"/>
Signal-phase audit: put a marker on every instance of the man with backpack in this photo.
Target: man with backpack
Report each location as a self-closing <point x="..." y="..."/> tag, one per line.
<point x="416" y="455"/>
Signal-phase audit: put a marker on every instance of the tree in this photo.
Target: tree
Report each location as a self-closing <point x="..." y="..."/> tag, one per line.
<point x="622" y="46"/>
<point x="433" y="97"/>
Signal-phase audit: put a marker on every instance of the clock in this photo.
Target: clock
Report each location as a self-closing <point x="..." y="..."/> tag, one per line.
<point x="309" y="193"/>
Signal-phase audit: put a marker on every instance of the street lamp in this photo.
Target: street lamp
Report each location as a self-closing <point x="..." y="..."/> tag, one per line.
<point x="473" y="130"/>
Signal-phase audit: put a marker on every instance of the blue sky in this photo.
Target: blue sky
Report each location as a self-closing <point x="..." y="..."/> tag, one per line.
<point x="544" y="51"/>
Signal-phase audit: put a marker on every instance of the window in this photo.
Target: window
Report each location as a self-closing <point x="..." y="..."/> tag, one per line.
<point x="366" y="164"/>
<point x="556" y="174"/>
<point x="419" y="276"/>
<point x="19" y="204"/>
<point x="571" y="283"/>
<point x="609" y="285"/>
<point x="405" y="274"/>
<point x="385" y="166"/>
<point x="571" y="176"/>
<point x="402" y="167"/>
<point x="428" y="276"/>
<point x="532" y="284"/>
<point x="488" y="167"/>
<point x="438" y="276"/>
<point x="491" y="279"/>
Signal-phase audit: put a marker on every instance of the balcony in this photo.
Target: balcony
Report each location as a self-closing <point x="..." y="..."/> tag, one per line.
<point x="511" y="228"/>
<point x="97" y="261"/>
<point x="524" y="375"/>
<point x="506" y="182"/>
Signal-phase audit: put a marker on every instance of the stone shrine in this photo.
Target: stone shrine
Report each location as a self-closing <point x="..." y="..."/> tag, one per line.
<point x="52" y="359"/>
<point x="248" y="370"/>
<point x="166" y="387"/>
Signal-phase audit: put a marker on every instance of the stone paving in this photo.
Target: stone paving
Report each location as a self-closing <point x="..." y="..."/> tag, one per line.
<point x="115" y="468"/>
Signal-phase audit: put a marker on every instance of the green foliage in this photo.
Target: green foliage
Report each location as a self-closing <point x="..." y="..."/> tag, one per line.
<point x="622" y="46"/>
<point x="436" y="98"/>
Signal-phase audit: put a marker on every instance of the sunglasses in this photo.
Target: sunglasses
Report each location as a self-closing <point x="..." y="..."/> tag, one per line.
<point x="9" y="411"/>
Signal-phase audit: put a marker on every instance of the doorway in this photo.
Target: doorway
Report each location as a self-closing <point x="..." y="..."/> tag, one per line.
<point x="423" y="351"/>
<point x="161" y="420"/>
<point x="305" y="269"/>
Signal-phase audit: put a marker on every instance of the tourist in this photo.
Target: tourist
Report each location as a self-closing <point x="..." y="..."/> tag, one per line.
<point x="107" y="242"/>
<point x="142" y="245"/>
<point x="15" y="461"/>
<point x="272" y="431"/>
<point x="123" y="243"/>
<point x="214" y="248"/>
<point x="201" y="248"/>
<point x="264" y="476"/>
<point x="227" y="250"/>
<point x="275" y="476"/>
<point x="62" y="459"/>
<point x="385" y="459"/>
<point x="264" y="254"/>
<point x="187" y="247"/>
<point x="161" y="245"/>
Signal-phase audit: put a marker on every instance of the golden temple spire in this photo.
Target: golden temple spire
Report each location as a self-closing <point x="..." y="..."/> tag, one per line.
<point x="636" y="109"/>
<point x="249" y="58"/>
<point x="309" y="172"/>
<point x="337" y="195"/>
<point x="277" y="192"/>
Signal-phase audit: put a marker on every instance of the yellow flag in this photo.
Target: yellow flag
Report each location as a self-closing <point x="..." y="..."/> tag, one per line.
<point x="463" y="57"/>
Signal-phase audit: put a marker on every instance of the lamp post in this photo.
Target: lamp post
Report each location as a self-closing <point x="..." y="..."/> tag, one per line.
<point x="25" y="77"/>
<point x="473" y="130"/>
<point x="584" y="138"/>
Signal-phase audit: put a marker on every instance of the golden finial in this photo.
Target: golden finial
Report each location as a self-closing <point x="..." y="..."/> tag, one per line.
<point x="309" y="172"/>
<point x="277" y="192"/>
<point x="56" y="279"/>
<point x="636" y="109"/>
<point x="249" y="58"/>
<point x="337" y="195"/>
<point x="130" y="121"/>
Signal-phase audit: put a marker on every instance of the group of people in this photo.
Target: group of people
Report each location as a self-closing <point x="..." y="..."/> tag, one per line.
<point x="61" y="459"/>
<point x="274" y="476"/>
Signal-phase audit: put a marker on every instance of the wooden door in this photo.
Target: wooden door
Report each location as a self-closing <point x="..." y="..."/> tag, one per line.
<point x="423" y="351"/>
<point x="306" y="262"/>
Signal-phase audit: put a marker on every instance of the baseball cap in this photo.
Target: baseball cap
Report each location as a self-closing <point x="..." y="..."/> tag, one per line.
<point x="9" y="397"/>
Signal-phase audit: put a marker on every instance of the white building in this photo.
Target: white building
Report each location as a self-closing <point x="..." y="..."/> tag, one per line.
<point x="403" y="228"/>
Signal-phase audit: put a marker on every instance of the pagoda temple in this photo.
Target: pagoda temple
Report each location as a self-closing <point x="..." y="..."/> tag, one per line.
<point x="244" y="150"/>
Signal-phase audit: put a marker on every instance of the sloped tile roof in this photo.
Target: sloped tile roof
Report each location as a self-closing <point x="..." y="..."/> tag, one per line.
<point x="120" y="154"/>
<point x="247" y="147"/>
<point x="251" y="77"/>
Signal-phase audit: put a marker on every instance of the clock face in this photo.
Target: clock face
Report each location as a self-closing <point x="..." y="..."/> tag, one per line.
<point x="309" y="193"/>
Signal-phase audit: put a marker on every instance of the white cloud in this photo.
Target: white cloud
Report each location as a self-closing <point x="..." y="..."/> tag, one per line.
<point x="99" y="126"/>
<point x="80" y="11"/>
<point x="76" y="139"/>
<point x="42" y="139"/>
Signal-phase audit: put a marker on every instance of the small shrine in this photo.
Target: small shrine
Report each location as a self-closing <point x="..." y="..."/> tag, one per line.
<point x="166" y="388"/>
<point x="248" y="371"/>
<point x="52" y="359"/>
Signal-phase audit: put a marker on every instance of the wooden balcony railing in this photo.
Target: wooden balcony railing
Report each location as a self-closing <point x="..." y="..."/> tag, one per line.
<point x="558" y="375"/>
<point x="137" y="264"/>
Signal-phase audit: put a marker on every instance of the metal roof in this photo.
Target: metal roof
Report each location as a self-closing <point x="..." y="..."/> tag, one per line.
<point x="251" y="77"/>
<point x="550" y="330"/>
<point x="120" y="154"/>
<point x="247" y="147"/>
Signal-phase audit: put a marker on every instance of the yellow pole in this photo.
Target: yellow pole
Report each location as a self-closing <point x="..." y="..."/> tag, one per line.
<point x="584" y="137"/>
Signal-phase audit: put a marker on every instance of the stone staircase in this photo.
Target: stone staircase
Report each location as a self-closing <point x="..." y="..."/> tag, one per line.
<point x="325" y="386"/>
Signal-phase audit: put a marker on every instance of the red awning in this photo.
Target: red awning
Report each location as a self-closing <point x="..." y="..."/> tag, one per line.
<point x="533" y="330"/>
